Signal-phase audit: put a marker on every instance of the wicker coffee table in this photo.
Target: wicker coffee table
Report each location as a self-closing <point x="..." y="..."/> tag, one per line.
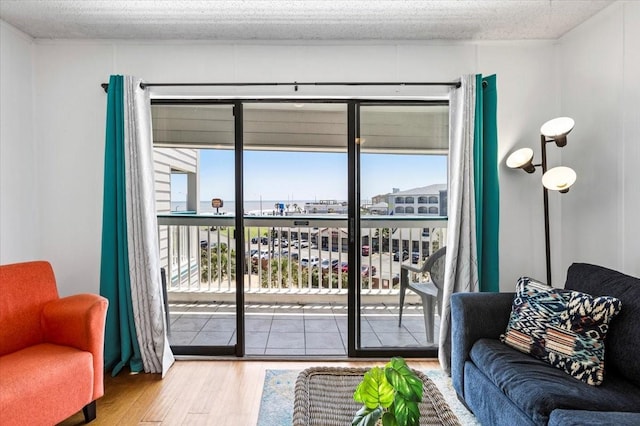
<point x="324" y="397"/>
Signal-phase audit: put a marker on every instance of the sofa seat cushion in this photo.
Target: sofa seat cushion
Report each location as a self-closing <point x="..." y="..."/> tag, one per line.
<point x="538" y="388"/>
<point x="62" y="373"/>
<point x="593" y="418"/>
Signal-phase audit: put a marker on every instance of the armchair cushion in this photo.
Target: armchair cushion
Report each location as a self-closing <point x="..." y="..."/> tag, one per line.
<point x="35" y="384"/>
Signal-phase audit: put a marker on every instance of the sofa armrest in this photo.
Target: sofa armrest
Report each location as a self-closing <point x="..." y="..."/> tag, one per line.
<point x="79" y="321"/>
<point x="475" y="316"/>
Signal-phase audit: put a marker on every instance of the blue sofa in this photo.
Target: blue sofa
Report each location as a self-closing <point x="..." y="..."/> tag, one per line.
<point x="505" y="387"/>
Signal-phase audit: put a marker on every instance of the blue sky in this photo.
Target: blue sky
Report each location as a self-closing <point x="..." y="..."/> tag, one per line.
<point x="283" y="176"/>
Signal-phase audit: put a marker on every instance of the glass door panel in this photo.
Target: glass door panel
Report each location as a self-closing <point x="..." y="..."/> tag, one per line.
<point x="403" y="190"/>
<point x="295" y="192"/>
<point x="195" y="195"/>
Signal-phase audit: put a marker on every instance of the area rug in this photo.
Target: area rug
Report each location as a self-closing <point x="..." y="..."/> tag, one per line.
<point x="276" y="406"/>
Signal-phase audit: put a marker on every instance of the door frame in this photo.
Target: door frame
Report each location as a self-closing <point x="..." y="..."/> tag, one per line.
<point x="354" y="347"/>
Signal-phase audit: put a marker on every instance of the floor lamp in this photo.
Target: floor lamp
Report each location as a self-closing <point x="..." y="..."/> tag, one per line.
<point x="556" y="179"/>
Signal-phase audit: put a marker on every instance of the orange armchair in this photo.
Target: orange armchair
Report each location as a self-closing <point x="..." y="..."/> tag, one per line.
<point x="51" y="348"/>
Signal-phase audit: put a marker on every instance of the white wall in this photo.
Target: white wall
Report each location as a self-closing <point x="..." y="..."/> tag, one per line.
<point x="19" y="204"/>
<point x="70" y="127"/>
<point x="527" y="97"/>
<point x="600" y="88"/>
<point x="589" y="74"/>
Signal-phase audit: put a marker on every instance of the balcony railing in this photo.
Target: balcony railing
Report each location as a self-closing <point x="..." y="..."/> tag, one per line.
<point x="291" y="255"/>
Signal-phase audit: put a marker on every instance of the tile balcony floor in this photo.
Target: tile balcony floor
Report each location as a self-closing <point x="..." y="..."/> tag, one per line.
<point x="287" y="329"/>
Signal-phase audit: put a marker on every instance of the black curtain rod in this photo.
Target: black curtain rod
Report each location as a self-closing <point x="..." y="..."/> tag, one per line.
<point x="295" y="84"/>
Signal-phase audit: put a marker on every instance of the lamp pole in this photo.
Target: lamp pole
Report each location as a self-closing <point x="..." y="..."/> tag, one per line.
<point x="545" y="198"/>
<point x="558" y="178"/>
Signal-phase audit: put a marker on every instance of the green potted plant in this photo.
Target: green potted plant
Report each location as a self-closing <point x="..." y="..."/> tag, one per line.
<point x="391" y="394"/>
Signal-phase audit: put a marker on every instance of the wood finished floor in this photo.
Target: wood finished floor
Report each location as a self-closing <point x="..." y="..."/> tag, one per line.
<point x="198" y="393"/>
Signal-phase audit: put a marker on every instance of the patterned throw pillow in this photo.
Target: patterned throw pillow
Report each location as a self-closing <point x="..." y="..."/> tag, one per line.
<point x="562" y="327"/>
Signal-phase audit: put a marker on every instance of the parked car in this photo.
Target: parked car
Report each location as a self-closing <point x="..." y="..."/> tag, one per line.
<point x="287" y="253"/>
<point x="262" y="254"/>
<point x="415" y="257"/>
<point x="307" y="262"/>
<point x="365" y="250"/>
<point x="364" y="270"/>
<point x="396" y="255"/>
<point x="327" y="264"/>
<point x="214" y="245"/>
<point x="341" y="266"/>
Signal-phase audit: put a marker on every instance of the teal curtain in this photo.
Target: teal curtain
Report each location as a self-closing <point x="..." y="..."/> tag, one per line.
<point x="121" y="343"/>
<point x="487" y="189"/>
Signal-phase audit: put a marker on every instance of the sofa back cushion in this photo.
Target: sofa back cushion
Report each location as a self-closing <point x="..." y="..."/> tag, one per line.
<point x="624" y="331"/>
<point x="24" y="289"/>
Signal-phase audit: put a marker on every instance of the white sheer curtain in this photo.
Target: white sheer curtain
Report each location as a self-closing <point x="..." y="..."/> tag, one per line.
<point x="461" y="267"/>
<point x="142" y="231"/>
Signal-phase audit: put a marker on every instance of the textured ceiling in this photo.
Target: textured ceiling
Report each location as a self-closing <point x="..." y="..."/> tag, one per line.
<point x="299" y="20"/>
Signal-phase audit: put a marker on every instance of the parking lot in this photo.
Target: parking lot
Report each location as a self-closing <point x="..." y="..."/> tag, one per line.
<point x="307" y="254"/>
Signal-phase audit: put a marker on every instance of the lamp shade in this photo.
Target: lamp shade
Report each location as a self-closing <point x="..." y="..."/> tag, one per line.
<point x="559" y="179"/>
<point x="558" y="129"/>
<point x="521" y="159"/>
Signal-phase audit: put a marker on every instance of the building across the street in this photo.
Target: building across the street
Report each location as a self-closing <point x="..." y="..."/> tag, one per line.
<point x="425" y="200"/>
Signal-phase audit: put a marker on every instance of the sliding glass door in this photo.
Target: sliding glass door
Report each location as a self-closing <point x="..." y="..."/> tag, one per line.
<point x="195" y="176"/>
<point x="288" y="227"/>
<point x="295" y="222"/>
<point x="402" y="181"/>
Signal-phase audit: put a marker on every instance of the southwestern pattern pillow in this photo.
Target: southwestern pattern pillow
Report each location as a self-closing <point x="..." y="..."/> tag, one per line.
<point x="562" y="327"/>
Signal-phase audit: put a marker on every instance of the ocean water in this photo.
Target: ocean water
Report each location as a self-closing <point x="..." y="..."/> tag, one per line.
<point x="250" y="206"/>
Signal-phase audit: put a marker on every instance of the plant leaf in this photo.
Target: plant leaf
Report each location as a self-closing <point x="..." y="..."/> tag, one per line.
<point x="374" y="390"/>
<point x="366" y="417"/>
<point x="389" y="419"/>
<point x="403" y="379"/>
<point x="406" y="412"/>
